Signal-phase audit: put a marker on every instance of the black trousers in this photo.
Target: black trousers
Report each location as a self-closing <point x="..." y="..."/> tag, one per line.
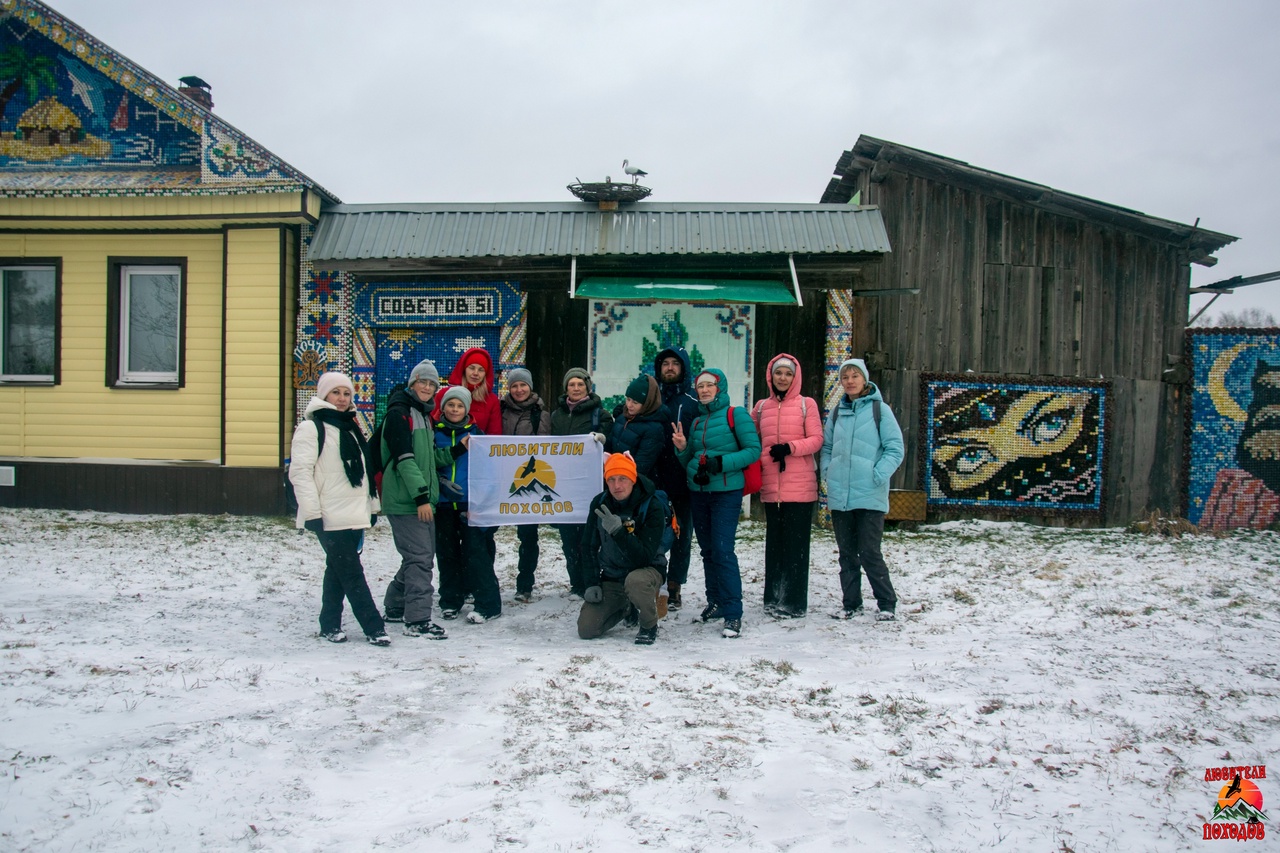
<point x="571" y="536"/>
<point x="464" y="556"/>
<point x="858" y="533"/>
<point x="528" y="536"/>
<point x="786" y="556"/>
<point x="344" y="578"/>
<point x="678" y="559"/>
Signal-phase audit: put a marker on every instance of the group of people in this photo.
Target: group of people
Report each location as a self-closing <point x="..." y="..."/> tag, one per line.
<point x="678" y="459"/>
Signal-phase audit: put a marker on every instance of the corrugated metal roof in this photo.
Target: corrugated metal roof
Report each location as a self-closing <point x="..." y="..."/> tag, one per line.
<point x="359" y="232"/>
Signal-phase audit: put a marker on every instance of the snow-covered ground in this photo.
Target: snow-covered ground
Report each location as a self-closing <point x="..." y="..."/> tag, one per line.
<point x="1044" y="689"/>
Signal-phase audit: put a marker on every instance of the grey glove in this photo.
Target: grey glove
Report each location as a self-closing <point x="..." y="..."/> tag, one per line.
<point x="593" y="595"/>
<point x="610" y="522"/>
<point x="599" y="437"/>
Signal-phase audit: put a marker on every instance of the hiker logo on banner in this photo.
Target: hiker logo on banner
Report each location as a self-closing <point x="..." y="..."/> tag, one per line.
<point x="532" y="480"/>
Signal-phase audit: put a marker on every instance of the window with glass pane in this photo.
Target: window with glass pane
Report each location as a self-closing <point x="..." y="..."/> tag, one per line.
<point x="28" y="322"/>
<point x="150" y="311"/>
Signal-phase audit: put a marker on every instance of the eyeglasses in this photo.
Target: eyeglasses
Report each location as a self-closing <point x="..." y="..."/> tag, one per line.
<point x="705" y="385"/>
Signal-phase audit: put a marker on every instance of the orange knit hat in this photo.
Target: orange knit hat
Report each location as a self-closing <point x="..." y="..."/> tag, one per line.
<point x="620" y="465"/>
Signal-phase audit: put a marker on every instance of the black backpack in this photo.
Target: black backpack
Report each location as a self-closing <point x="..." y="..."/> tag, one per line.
<point x="291" y="499"/>
<point x="670" y="529"/>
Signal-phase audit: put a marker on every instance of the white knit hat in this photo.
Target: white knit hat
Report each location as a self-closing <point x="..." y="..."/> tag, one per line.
<point x="331" y="380"/>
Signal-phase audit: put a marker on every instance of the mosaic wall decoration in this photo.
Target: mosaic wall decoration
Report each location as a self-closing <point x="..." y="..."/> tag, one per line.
<point x="626" y="336"/>
<point x="1233" y="446"/>
<point x="77" y="117"/>
<point x="839" y="347"/>
<point x="1013" y="446"/>
<point x="397" y="324"/>
<point x="323" y="335"/>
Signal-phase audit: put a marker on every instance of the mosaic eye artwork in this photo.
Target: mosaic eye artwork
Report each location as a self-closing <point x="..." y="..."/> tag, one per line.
<point x="1233" y="446"/>
<point x="1014" y="447"/>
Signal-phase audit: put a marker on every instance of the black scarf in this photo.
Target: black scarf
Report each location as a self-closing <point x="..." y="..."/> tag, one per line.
<point x="352" y="447"/>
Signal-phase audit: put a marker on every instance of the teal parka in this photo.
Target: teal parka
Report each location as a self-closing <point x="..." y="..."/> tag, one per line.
<point x="710" y="436"/>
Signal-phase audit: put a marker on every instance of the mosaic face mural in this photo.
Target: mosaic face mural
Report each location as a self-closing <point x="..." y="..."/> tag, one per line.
<point x="1028" y="447"/>
<point x="626" y="336"/>
<point x="1233" y="450"/>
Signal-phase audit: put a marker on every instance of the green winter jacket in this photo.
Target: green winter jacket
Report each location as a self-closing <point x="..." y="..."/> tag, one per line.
<point x="710" y="436"/>
<point x="409" y="455"/>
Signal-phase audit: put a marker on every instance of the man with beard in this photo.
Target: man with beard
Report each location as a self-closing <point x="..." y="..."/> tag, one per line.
<point x="671" y="367"/>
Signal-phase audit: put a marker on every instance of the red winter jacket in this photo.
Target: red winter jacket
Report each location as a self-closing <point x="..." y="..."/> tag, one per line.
<point x="796" y="422"/>
<point x="486" y="413"/>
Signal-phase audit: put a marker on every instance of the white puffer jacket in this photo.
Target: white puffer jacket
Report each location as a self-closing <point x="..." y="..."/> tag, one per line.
<point x="321" y="485"/>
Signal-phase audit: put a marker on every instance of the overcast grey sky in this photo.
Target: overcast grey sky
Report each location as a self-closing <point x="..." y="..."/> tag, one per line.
<point x="1164" y="107"/>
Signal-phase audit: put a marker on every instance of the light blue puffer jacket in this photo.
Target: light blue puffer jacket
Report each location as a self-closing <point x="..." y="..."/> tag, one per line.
<point x="857" y="463"/>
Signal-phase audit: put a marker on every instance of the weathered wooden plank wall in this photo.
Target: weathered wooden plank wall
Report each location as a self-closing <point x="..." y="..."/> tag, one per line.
<point x="800" y="331"/>
<point x="1010" y="290"/>
<point x="557" y="339"/>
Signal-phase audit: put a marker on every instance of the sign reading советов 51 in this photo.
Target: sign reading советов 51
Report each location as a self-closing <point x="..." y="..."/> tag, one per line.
<point x="532" y="479"/>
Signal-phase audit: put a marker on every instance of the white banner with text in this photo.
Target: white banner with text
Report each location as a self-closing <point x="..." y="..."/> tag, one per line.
<point x="534" y="479"/>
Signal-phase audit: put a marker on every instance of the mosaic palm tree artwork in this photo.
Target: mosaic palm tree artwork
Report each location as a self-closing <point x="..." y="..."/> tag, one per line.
<point x="626" y="336"/>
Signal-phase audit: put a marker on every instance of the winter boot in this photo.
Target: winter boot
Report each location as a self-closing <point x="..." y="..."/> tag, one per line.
<point x="647" y="636"/>
<point x="428" y="629"/>
<point x="673" y="596"/>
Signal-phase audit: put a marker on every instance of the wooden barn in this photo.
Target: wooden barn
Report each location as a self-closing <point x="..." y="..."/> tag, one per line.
<point x="1012" y="317"/>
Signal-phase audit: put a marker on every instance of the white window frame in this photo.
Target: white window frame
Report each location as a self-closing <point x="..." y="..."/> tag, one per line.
<point x="32" y="378"/>
<point x="149" y="377"/>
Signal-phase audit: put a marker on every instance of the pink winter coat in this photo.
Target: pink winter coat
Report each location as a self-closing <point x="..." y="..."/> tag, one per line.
<point x="794" y="420"/>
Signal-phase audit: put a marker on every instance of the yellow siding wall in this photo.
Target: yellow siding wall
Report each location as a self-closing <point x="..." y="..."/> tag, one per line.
<point x="81" y="417"/>
<point x="65" y="213"/>
<point x="292" y="277"/>
<point x="254" y="388"/>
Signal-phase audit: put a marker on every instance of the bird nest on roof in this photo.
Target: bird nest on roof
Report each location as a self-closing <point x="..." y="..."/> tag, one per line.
<point x="609" y="191"/>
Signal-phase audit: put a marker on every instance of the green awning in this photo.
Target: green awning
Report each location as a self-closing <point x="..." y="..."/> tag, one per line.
<point x="687" y="290"/>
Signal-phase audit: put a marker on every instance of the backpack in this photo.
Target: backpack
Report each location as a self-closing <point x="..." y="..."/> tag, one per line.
<point x="291" y="499"/>
<point x="875" y="415"/>
<point x="375" y="452"/>
<point x="752" y="477"/>
<point x="670" y="527"/>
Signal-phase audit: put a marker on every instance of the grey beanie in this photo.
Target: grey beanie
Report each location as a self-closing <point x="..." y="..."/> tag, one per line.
<point x="519" y="374"/>
<point x="456" y="392"/>
<point x="576" y="373"/>
<point x="784" y="362"/>
<point x="425" y="369"/>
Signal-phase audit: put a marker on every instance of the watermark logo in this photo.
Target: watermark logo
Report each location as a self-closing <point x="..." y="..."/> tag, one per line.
<point x="1237" y="814"/>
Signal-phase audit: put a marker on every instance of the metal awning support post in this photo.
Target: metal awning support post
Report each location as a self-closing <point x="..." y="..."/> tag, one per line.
<point x="573" y="275"/>
<point x="795" y="280"/>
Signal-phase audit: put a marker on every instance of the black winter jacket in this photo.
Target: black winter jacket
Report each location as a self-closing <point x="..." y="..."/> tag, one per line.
<point x="636" y="546"/>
